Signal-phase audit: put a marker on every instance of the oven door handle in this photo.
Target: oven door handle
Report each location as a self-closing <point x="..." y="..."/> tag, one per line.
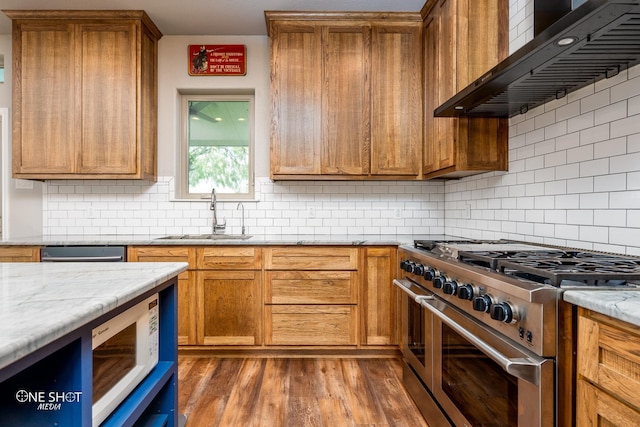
<point x="401" y="284"/>
<point x="524" y="368"/>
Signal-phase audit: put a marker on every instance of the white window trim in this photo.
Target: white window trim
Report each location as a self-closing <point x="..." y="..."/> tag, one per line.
<point x="182" y="180"/>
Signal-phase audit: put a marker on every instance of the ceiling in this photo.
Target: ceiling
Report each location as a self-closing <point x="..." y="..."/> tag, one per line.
<point x="211" y="17"/>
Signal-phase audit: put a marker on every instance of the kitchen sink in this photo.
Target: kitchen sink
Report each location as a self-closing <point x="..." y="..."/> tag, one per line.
<point x="206" y="237"/>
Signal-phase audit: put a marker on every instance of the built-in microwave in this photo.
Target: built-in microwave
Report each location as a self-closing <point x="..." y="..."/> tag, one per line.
<point x="125" y="350"/>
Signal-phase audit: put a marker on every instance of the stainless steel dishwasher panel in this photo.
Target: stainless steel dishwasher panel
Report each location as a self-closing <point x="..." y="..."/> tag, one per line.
<point x="83" y="254"/>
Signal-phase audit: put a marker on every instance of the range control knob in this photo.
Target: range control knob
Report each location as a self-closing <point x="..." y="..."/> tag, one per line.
<point x="482" y="303"/>
<point x="450" y="287"/>
<point x="404" y="264"/>
<point x="429" y="273"/>
<point x="418" y="269"/>
<point x="465" y="292"/>
<point x="502" y="312"/>
<point x="438" y="281"/>
<point x="410" y="266"/>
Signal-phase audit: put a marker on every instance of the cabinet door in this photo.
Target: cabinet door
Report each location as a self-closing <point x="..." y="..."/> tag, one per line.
<point x="346" y="99"/>
<point x="108" y="93"/>
<point x="396" y="119"/>
<point x="295" y="97"/>
<point x="231" y="310"/>
<point x="187" y="298"/>
<point x="430" y="42"/>
<point x="379" y="297"/>
<point x="594" y="407"/>
<point x="44" y="98"/>
<point x="446" y="135"/>
<point x="609" y="355"/>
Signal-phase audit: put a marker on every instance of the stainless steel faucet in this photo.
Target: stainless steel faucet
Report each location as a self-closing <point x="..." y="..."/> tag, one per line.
<point x="215" y="225"/>
<point x="240" y="205"/>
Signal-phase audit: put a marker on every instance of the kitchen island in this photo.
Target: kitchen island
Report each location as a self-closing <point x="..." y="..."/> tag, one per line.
<point x="47" y="312"/>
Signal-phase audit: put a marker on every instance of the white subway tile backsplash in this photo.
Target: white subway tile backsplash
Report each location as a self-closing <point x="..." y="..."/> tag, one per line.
<point x="626" y="163"/>
<point x="146" y="209"/>
<point x="627" y="126"/>
<point x="594" y="201"/>
<point x="611" y="112"/>
<point x="583" y="121"/>
<point x="580" y="217"/>
<point x="625" y="200"/>
<point x="610" y="217"/>
<point x="595" y="101"/>
<point x="616" y="182"/>
<point x="594" y="167"/>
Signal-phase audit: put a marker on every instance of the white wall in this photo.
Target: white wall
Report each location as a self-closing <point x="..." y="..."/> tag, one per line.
<point x="574" y="172"/>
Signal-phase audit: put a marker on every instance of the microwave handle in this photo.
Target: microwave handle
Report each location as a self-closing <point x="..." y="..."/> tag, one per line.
<point x="401" y="284"/>
<point x="523" y="368"/>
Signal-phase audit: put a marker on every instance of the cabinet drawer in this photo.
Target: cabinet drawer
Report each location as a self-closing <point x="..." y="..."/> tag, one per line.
<point x="310" y="325"/>
<point x="311" y="287"/>
<point x="229" y="257"/>
<point x="163" y="254"/>
<point x="316" y="258"/>
<point x="609" y="355"/>
<point x="19" y="254"/>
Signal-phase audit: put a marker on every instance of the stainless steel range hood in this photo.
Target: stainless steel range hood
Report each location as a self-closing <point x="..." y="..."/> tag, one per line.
<point x="605" y="39"/>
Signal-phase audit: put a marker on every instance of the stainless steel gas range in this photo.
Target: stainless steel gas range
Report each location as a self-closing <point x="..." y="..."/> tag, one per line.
<point x="482" y="326"/>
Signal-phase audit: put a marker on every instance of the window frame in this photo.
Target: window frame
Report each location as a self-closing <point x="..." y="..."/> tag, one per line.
<point x="182" y="169"/>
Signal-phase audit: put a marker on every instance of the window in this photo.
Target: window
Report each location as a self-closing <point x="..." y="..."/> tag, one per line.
<point x="216" y="149"/>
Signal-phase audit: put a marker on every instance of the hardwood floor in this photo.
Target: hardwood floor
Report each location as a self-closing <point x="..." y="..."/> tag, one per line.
<point x="297" y="392"/>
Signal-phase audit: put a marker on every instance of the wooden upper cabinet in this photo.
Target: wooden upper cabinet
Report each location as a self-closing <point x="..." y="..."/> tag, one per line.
<point x="84" y="95"/>
<point x="462" y="39"/>
<point x="346" y="95"/>
<point x="346" y="99"/>
<point x="295" y="97"/>
<point x="396" y="116"/>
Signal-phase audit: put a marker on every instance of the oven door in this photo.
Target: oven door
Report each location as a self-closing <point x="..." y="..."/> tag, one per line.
<point x="415" y="348"/>
<point x="482" y="378"/>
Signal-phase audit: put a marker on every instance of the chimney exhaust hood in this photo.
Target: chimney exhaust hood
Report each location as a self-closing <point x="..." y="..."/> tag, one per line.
<point x="596" y="40"/>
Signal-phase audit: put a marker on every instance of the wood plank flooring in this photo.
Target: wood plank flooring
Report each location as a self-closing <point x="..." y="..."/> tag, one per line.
<point x="297" y="392"/>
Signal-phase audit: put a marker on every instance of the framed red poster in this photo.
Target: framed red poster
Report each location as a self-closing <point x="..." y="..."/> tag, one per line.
<point x="217" y="60"/>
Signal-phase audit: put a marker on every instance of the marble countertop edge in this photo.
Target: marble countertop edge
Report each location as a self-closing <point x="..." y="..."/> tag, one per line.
<point x="621" y="305"/>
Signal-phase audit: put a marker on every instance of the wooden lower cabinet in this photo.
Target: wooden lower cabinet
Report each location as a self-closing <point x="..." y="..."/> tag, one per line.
<point x="311" y="296"/>
<point x="379" y="301"/>
<point x="19" y="253"/>
<point x="246" y="297"/>
<point x="608" y="367"/>
<point x="231" y="309"/>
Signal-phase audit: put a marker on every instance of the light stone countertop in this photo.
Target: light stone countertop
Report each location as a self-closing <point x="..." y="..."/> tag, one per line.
<point x="298" y="239"/>
<point x="621" y="305"/>
<point x="41" y="302"/>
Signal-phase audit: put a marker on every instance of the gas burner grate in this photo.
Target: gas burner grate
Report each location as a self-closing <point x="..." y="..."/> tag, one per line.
<point x="598" y="270"/>
<point x="489" y="259"/>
